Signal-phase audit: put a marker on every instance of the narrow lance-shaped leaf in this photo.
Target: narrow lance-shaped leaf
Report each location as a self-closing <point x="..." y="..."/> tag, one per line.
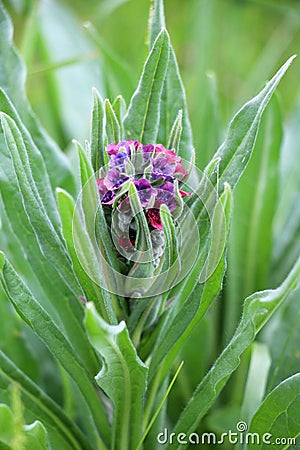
<point x="139" y="279"/>
<point x="176" y="131"/>
<point x="233" y="155"/>
<point x="258" y="308"/>
<point x="12" y="81"/>
<point x="97" y="132"/>
<point x="81" y="250"/>
<point x="49" y="239"/>
<point x="238" y="145"/>
<point x="42" y="324"/>
<point x="173" y="96"/>
<point x="252" y="224"/>
<point x="286" y="226"/>
<point x="112" y="126"/>
<point x="88" y="197"/>
<point x="166" y="273"/>
<point x="37" y="164"/>
<point x="142" y="119"/>
<point x="279" y="416"/>
<point x="171" y="263"/>
<point x="240" y="140"/>
<point x="70" y="219"/>
<point x="45" y="279"/>
<point x="156" y="20"/>
<point x="282" y="338"/>
<point x="119" y="107"/>
<point x="96" y="229"/>
<point x="121" y="364"/>
<point x="180" y="322"/>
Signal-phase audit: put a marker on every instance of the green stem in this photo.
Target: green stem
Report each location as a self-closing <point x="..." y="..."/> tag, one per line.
<point x="150" y="424"/>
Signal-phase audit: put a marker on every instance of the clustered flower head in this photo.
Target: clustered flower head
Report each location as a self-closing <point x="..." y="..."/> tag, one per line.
<point x="155" y="172"/>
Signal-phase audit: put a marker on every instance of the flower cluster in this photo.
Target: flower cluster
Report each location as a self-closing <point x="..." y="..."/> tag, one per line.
<point x="152" y="168"/>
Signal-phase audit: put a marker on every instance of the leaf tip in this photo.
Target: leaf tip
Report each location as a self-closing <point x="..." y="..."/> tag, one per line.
<point x="3" y="117"/>
<point x="2" y="260"/>
<point x="96" y="94"/>
<point x="162" y="36"/>
<point x="227" y="187"/>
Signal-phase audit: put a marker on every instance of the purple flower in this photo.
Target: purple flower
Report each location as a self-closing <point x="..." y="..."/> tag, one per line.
<point x="147" y="150"/>
<point x="118" y="161"/>
<point x="114" y="179"/>
<point x="106" y="196"/>
<point x="161" y="168"/>
<point x="153" y="170"/>
<point x="113" y="149"/>
<point x="145" y="191"/>
<point x="165" y="196"/>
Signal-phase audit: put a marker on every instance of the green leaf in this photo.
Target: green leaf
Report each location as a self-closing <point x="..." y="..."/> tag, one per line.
<point x="176" y="131"/>
<point x="97" y="132"/>
<point x="173" y="97"/>
<point x="81" y="250"/>
<point x="286" y="229"/>
<point x="188" y="309"/>
<point x="120" y="365"/>
<point x="112" y="126"/>
<point x="282" y="337"/>
<point x="139" y="278"/>
<point x="146" y="310"/>
<point x="42" y="324"/>
<point x="36" y="436"/>
<point x="89" y="195"/>
<point x="278" y="415"/>
<point x="37" y="162"/>
<point x="142" y="119"/>
<point x="156" y="20"/>
<point x="13" y="340"/>
<point x="239" y="142"/>
<point x="12" y="82"/>
<point x="46" y="280"/>
<point x="255" y="206"/>
<point x="34" y="200"/>
<point x="171" y="263"/>
<point x="119" y="107"/>
<point x="62" y="431"/>
<point x="93" y="236"/>
<point x="258" y="308"/>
